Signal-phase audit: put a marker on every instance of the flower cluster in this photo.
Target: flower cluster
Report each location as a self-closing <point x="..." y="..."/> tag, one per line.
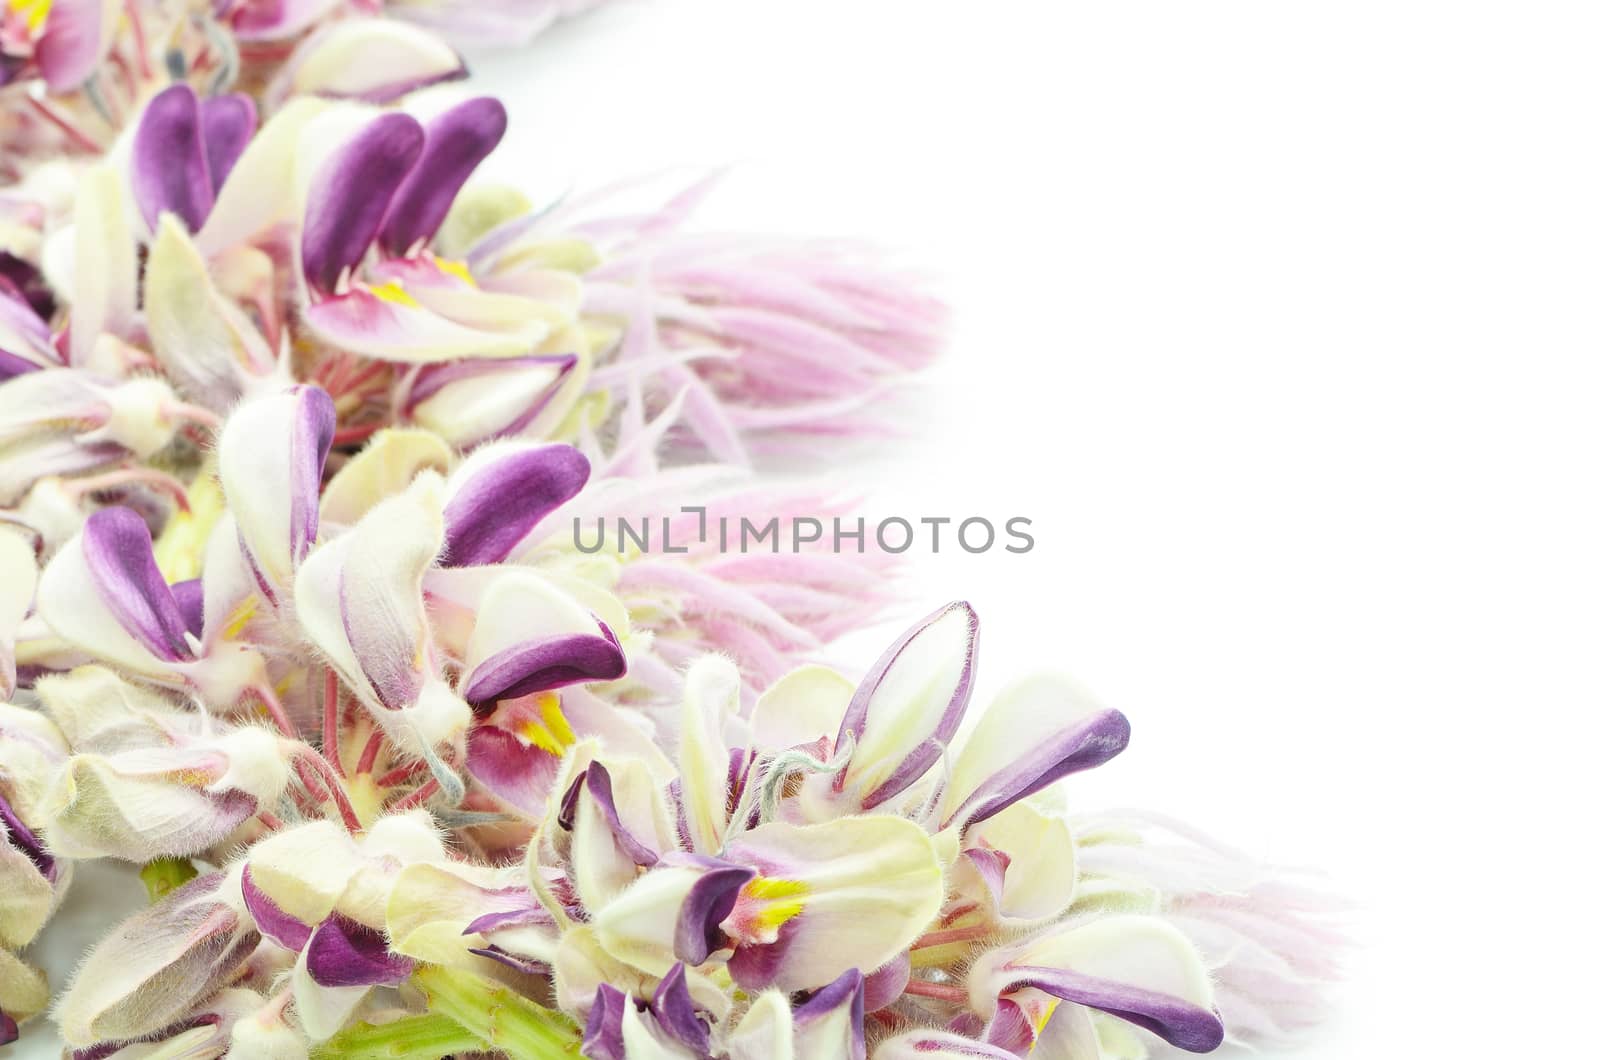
<point x="298" y="421"/>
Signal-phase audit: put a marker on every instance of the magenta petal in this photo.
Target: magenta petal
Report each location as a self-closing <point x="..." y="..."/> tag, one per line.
<point x="519" y="773"/>
<point x="698" y="932"/>
<point x="1097" y="739"/>
<point x="270" y="918"/>
<point x="351" y="194"/>
<point x="883" y="987"/>
<point x="169" y="168"/>
<point x="849" y="989"/>
<point x="1174" y="1020"/>
<point x="227" y="124"/>
<point x="117" y="549"/>
<point x="496" y="508"/>
<point x="455" y="142"/>
<point x="542" y="665"/>
<point x="74" y="39"/>
<point x="309" y="443"/>
<point x="344" y="952"/>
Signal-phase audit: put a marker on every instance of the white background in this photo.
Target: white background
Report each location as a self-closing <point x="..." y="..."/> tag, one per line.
<point x="1280" y="322"/>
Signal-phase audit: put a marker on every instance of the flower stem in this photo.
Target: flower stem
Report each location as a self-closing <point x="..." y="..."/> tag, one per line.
<point x="937" y="991"/>
<point x="498" y="1016"/>
<point x="425" y="1037"/>
<point x="330" y="720"/>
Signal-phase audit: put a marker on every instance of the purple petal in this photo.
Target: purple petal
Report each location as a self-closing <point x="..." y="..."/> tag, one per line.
<point x="496" y="508"/>
<point x="539" y="666"/>
<point x="674" y="1010"/>
<point x="456" y="141"/>
<point x="27" y="284"/>
<point x="848" y="989"/>
<point x="519" y="773"/>
<point x="309" y="443"/>
<point x="1174" y="1020"/>
<point x="344" y="952"/>
<point x="351" y="193"/>
<point x="514" y="907"/>
<point x="525" y="965"/>
<point x="122" y="565"/>
<point x="597" y="782"/>
<point x="191" y="598"/>
<point x="991" y="866"/>
<point x="435" y="378"/>
<point x="1097" y="739"/>
<point x="227" y="123"/>
<point x="271" y="920"/>
<point x="857" y="715"/>
<point x="170" y="174"/>
<point x="22" y="838"/>
<point x="884" y="986"/>
<point x="602" y="1036"/>
<point x="698" y="933"/>
<point x="9" y="1031"/>
<point x="1010" y="1029"/>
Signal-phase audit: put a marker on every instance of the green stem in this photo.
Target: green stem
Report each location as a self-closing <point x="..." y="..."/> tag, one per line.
<point x="498" y="1015"/>
<point x="425" y="1037"/>
<point x="164" y="875"/>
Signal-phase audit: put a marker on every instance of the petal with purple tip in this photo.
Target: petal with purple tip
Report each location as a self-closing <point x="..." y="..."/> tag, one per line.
<point x="104" y="593"/>
<point x="271" y="919"/>
<point x="675" y="1012"/>
<point x="169" y="169"/>
<point x="500" y="494"/>
<point x="1138" y="968"/>
<point x="1033" y="734"/>
<point x="709" y="901"/>
<point x="531" y="637"/>
<point x="344" y="952"/>
<point x="909" y="705"/>
<point x="832" y="1021"/>
<point x="456" y="142"/>
<point x="273" y="488"/>
<point x="351" y="192"/>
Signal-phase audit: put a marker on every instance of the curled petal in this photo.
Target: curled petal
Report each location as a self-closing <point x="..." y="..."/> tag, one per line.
<point x="455" y="142"/>
<point x="497" y="497"/>
<point x="470" y="402"/>
<point x="104" y="593"/>
<point x="342" y="952"/>
<point x="531" y="637"/>
<point x="352" y="191"/>
<point x="1138" y="968"/>
<point x="1032" y="735"/>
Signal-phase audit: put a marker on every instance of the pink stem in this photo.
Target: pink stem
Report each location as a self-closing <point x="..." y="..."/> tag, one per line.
<point x="330" y="721"/>
<point x="937" y="991"/>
